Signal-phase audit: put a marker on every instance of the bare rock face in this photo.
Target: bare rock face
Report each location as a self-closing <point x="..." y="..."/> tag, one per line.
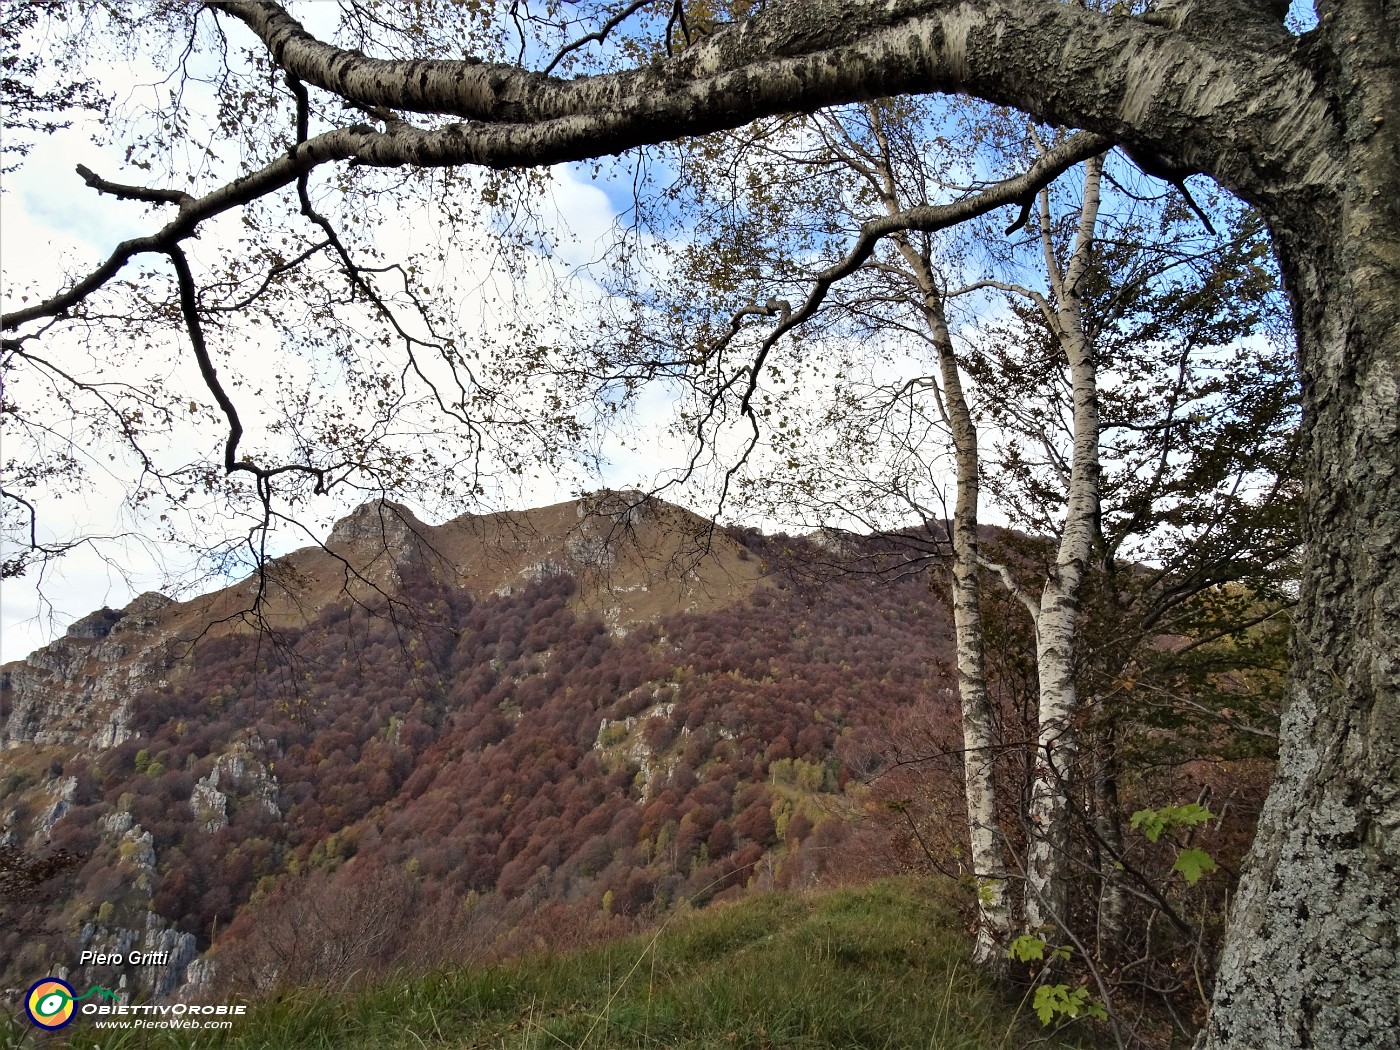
<point x="138" y="854"/>
<point x="836" y="541"/>
<point x="620" y="741"/>
<point x="97" y="624"/>
<point x="240" y="772"/>
<point x="210" y="805"/>
<point x="199" y="975"/>
<point x="62" y="803"/>
<point x="383" y="522"/>
<point x="589" y="550"/>
<point x="77" y="690"/>
<point x="379" y="538"/>
<point x="137" y="613"/>
<point x="172" y="953"/>
<point x="606" y="520"/>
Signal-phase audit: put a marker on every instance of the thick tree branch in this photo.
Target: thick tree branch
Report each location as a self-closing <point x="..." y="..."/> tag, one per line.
<point x="1114" y="75"/>
<point x="927" y="218"/>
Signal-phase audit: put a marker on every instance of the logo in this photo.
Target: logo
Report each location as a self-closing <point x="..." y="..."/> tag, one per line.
<point x="50" y="1002"/>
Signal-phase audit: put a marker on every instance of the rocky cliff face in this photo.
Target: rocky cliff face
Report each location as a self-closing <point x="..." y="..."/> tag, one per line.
<point x="66" y="791"/>
<point x="172" y="953"/>
<point x="239" y="770"/>
<point x="77" y="690"/>
<point x="386" y="523"/>
<point x="620" y="742"/>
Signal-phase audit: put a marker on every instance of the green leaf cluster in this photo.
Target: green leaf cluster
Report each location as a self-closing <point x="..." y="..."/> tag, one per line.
<point x="1193" y="863"/>
<point x="1054" y="1001"/>
<point x="1030" y="948"/>
<point x="1190" y="862"/>
<point x="1153" y="822"/>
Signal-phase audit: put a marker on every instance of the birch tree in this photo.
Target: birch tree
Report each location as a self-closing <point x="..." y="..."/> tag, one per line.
<point x="791" y="192"/>
<point x="1055" y="612"/>
<point x="929" y="292"/>
<point x="1147" y="324"/>
<point x="874" y="162"/>
<point x="1194" y="462"/>
<point x="1300" y="126"/>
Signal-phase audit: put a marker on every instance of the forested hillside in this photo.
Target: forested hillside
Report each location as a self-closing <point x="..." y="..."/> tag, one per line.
<point x="481" y="747"/>
<point x="433" y="768"/>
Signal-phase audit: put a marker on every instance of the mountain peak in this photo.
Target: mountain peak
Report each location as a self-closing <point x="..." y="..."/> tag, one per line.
<point x="622" y="506"/>
<point x="381" y="520"/>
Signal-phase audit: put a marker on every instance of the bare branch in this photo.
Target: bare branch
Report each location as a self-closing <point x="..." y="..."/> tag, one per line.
<point x="189" y="307"/>
<point x="927" y="218"/>
<point x="599" y="35"/>
<point x="134" y="193"/>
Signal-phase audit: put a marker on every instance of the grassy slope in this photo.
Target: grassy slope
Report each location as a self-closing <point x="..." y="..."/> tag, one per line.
<point x="876" y="966"/>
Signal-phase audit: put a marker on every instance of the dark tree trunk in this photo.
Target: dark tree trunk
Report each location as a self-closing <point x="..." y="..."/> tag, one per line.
<point x="1313" y="951"/>
<point x="1108" y="826"/>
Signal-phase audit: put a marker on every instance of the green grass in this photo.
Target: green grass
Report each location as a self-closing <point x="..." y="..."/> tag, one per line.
<point x="875" y="967"/>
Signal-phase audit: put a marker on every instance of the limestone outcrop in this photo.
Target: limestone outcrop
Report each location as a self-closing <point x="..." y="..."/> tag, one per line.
<point x="77" y="690"/>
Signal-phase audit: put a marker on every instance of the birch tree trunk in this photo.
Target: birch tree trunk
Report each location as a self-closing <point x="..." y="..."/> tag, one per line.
<point x="979" y="740"/>
<point x="1056" y="626"/>
<point x="979" y="754"/>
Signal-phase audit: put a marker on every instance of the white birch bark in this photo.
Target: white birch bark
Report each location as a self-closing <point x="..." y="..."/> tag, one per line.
<point x="988" y="857"/>
<point x="1113" y="899"/>
<point x="979" y="742"/>
<point x="1057" y="745"/>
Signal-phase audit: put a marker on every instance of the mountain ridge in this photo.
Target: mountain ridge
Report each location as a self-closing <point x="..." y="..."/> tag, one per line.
<point x="591" y="711"/>
<point x="363" y="554"/>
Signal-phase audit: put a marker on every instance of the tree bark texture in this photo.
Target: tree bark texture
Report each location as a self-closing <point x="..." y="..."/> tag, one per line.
<point x="979" y="738"/>
<point x="1110" y="927"/>
<point x="1056" y="621"/>
<point x="1312" y="957"/>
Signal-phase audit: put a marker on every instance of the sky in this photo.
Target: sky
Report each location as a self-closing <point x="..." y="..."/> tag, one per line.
<point x="52" y="226"/>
